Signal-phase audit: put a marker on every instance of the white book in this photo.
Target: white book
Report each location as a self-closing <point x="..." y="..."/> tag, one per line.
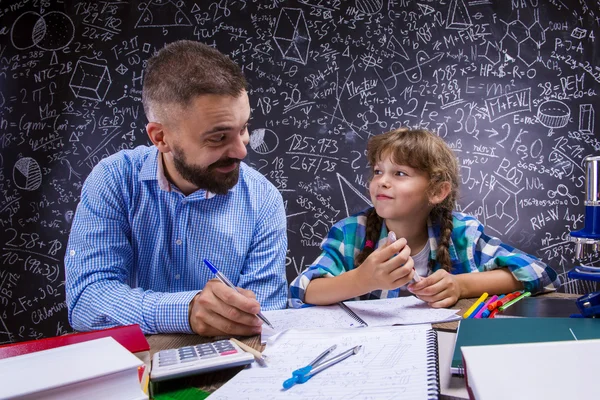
<point x="546" y="370"/>
<point x="96" y="369"/>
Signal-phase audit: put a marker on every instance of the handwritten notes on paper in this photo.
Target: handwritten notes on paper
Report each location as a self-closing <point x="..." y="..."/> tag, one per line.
<point x="384" y="312"/>
<point x="392" y="364"/>
<point x="400" y="311"/>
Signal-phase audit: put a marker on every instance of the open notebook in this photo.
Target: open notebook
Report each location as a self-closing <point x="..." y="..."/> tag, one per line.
<point x="396" y="362"/>
<point x="350" y="314"/>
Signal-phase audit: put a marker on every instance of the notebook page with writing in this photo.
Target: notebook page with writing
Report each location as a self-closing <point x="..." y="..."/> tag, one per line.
<point x="394" y="362"/>
<point x="386" y="312"/>
<point x="400" y="311"/>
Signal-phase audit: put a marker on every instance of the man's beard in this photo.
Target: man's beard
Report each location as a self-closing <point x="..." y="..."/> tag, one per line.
<point x="207" y="178"/>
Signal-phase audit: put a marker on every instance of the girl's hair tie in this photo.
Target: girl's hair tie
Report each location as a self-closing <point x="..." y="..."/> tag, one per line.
<point x="369" y="244"/>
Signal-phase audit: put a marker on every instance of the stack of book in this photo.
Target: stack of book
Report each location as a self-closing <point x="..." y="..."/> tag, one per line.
<point x="91" y="365"/>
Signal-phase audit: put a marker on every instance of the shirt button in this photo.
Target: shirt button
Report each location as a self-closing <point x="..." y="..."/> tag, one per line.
<point x="178" y="241"/>
<point x="184" y="202"/>
<point x="72" y="252"/>
<point x="177" y="276"/>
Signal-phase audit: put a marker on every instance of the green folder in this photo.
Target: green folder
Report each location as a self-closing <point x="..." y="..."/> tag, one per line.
<point x="479" y="332"/>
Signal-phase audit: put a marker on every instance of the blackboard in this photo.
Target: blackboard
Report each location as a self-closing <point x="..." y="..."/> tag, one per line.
<point x="510" y="85"/>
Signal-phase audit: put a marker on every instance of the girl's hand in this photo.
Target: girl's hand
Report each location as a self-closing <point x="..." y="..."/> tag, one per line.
<point x="381" y="271"/>
<point x="440" y="289"/>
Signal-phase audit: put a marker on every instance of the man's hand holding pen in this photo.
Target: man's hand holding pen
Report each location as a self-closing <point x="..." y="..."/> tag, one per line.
<point x="220" y="310"/>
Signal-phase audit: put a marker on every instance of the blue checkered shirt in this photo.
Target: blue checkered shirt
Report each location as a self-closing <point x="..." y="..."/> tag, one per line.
<point x="471" y="250"/>
<point x="137" y="243"/>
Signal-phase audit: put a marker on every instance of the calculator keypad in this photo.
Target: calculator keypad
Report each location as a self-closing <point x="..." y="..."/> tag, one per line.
<point x="192" y="353"/>
<point x="191" y="360"/>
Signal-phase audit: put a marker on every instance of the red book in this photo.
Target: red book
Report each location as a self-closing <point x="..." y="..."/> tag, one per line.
<point x="130" y="336"/>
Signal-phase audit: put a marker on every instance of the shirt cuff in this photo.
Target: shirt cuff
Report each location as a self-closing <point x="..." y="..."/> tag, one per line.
<point x="172" y="312"/>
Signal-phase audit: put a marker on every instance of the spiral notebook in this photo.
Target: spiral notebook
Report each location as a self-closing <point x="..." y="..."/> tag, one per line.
<point x="394" y="362"/>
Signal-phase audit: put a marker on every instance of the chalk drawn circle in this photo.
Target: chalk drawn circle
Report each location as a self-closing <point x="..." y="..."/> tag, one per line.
<point x="27" y="174"/>
<point x="51" y="31"/>
<point x="553" y="114"/>
<point x="369" y="6"/>
<point x="20" y="33"/>
<point x="58" y="31"/>
<point x="263" y="141"/>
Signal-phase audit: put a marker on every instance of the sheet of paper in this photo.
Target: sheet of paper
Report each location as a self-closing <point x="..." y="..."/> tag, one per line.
<point x="392" y="364"/>
<point x="385" y="312"/>
<point x="400" y="311"/>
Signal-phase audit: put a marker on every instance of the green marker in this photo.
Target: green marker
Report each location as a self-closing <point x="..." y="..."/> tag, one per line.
<point x="513" y="301"/>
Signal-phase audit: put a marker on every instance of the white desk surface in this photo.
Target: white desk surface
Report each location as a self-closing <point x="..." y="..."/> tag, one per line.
<point x="451" y="387"/>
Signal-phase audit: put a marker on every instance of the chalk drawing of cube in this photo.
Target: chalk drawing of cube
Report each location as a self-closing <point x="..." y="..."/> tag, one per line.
<point x="90" y="81"/>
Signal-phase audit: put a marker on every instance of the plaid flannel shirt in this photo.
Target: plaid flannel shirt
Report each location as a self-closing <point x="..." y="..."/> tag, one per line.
<point x="471" y="250"/>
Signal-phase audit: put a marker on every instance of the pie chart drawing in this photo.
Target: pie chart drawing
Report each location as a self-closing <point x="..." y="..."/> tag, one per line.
<point x="27" y="174"/>
<point x="263" y="141"/>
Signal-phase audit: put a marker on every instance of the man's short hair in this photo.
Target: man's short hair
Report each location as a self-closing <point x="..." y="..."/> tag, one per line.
<point x="185" y="69"/>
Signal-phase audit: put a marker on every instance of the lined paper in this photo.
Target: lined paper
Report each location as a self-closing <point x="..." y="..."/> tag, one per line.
<point x="392" y="364"/>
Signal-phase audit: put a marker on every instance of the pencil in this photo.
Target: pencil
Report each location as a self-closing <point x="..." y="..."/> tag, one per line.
<point x="475" y="305"/>
<point x="257" y="354"/>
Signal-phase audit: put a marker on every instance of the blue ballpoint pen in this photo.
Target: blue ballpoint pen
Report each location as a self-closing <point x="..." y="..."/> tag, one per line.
<point x="226" y="281"/>
<point x="303" y="374"/>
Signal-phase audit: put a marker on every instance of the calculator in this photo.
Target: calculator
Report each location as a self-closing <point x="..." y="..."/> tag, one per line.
<point x="193" y="360"/>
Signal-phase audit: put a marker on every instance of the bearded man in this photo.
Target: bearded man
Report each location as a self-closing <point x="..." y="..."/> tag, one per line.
<point x="149" y="216"/>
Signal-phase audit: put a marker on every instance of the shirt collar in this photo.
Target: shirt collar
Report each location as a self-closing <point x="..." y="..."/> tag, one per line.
<point x="153" y="169"/>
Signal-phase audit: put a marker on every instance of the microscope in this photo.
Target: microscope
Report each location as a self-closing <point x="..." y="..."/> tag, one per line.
<point x="587" y="240"/>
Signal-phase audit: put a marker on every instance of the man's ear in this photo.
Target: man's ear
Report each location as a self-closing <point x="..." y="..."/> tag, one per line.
<point x="156" y="133"/>
<point x="442" y="191"/>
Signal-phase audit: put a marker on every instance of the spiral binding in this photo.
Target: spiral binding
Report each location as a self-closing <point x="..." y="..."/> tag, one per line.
<point x="352" y="314"/>
<point x="433" y="368"/>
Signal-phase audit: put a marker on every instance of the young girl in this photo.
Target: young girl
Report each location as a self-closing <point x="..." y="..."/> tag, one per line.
<point x="413" y="189"/>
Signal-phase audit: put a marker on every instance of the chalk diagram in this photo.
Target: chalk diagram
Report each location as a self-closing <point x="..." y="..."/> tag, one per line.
<point x="349" y="192"/>
<point x="371" y="117"/>
<point x="51" y="31"/>
<point x="162" y="13"/>
<point x="90" y="81"/>
<point x="396" y="47"/>
<point x="458" y="15"/>
<point x="369" y="7"/>
<point x="318" y="230"/>
<point x="292" y="36"/>
<point x="263" y="141"/>
<point x="586" y="118"/>
<point x="522" y="41"/>
<point x="500" y="206"/>
<point x="414" y="73"/>
<point x="27" y="174"/>
<point x="553" y="114"/>
<point x="492" y="53"/>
